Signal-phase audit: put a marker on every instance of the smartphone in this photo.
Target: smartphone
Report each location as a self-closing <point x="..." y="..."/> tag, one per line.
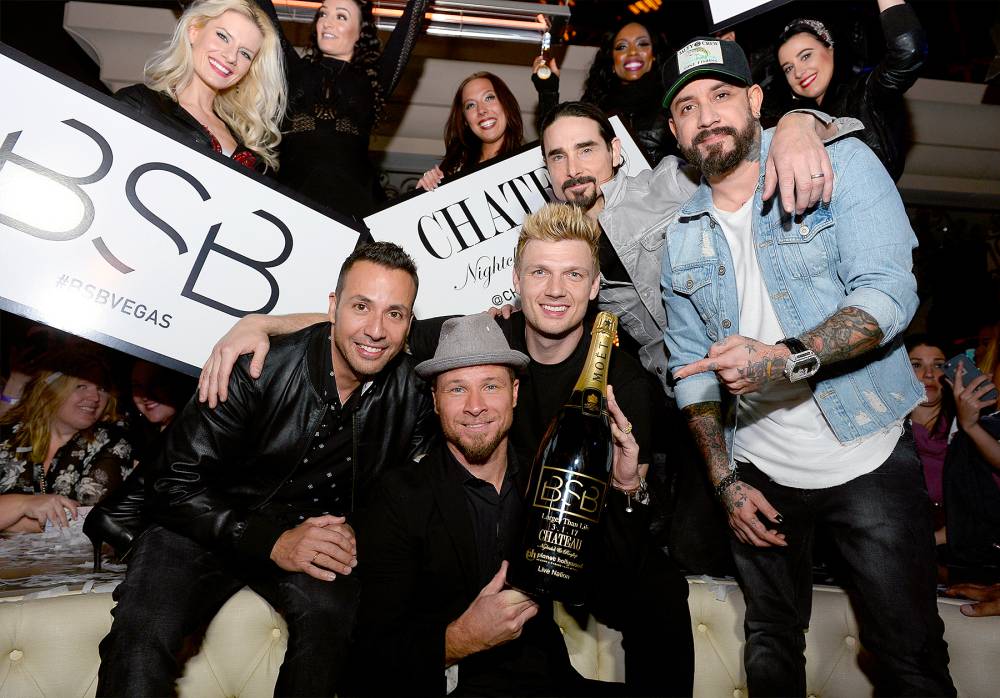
<point x="968" y="374"/>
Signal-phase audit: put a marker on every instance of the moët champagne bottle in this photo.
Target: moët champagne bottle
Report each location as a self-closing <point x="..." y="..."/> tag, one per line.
<point x="568" y="484"/>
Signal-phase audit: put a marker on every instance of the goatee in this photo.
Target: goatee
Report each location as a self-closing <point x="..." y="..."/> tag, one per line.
<point x="717" y="161"/>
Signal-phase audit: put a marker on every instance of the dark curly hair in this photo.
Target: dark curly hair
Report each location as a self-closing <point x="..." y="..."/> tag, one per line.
<point x="462" y="147"/>
<point x="367" y="50"/>
<point x="601" y="80"/>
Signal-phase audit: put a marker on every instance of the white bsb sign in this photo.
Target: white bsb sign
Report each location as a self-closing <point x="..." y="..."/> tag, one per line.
<point x="116" y="232"/>
<point x="727" y="13"/>
<point x="462" y="235"/>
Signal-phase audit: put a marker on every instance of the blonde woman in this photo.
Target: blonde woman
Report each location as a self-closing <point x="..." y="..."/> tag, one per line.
<point x="58" y="447"/>
<point x="220" y="82"/>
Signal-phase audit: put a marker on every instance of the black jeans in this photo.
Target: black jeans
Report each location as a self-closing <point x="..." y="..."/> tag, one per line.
<point x="174" y="586"/>
<point x="880" y="525"/>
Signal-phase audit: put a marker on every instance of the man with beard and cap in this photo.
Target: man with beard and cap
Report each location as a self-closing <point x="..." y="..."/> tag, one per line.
<point x="440" y="533"/>
<point x="785" y="339"/>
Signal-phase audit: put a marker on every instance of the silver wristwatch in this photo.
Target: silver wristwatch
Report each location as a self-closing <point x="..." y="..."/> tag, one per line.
<point x="803" y="363"/>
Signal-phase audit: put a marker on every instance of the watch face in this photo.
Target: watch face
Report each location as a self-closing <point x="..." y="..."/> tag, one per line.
<point x="801" y="366"/>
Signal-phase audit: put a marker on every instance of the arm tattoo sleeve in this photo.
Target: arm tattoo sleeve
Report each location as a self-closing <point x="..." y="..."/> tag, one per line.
<point x="705" y="421"/>
<point x="844" y="335"/>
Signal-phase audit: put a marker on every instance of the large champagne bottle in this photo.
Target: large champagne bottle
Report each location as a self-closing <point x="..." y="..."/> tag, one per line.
<point x="569" y="480"/>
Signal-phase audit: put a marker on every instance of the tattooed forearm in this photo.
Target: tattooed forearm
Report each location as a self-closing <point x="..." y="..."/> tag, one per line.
<point x="705" y="422"/>
<point x="846" y="334"/>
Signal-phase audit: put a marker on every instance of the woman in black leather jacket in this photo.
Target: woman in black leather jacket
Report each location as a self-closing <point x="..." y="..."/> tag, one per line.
<point x="624" y="81"/>
<point x="219" y="83"/>
<point x="805" y="53"/>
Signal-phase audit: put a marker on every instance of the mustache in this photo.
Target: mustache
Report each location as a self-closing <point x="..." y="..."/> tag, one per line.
<point x="718" y="131"/>
<point x="576" y="181"/>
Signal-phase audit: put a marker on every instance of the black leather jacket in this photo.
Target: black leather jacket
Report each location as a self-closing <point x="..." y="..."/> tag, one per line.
<point x="220" y="466"/>
<point x="161" y="109"/>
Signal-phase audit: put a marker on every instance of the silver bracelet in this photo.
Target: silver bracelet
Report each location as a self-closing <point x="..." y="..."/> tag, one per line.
<point x="637" y="495"/>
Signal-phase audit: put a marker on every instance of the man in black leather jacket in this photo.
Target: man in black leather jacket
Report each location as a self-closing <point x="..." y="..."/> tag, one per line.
<point x="258" y="491"/>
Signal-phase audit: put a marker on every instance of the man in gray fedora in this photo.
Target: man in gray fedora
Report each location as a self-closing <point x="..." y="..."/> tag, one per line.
<point x="438" y="535"/>
<point x="557" y="274"/>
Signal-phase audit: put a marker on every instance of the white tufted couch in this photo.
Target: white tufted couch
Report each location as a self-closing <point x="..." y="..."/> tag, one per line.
<point x="48" y="646"/>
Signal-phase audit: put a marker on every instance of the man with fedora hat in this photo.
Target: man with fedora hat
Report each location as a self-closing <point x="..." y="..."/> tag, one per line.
<point x="792" y="327"/>
<point x="438" y="535"/>
<point x="557" y="274"/>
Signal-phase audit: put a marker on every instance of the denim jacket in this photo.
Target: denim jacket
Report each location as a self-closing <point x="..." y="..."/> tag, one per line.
<point x="636" y="214"/>
<point x="855" y="251"/>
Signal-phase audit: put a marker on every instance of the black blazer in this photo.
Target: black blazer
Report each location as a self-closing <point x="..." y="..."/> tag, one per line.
<point x="417" y="560"/>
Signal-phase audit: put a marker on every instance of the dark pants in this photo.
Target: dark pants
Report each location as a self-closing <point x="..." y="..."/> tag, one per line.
<point x="648" y="605"/>
<point x="174" y="587"/>
<point x="880" y="525"/>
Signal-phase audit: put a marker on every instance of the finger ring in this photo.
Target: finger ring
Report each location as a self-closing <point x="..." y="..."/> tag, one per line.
<point x="313" y="561"/>
<point x="628" y="428"/>
<point x="818" y="175"/>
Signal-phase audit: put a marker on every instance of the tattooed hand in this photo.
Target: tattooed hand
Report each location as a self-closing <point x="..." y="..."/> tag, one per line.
<point x="744" y="504"/>
<point x="743" y="365"/>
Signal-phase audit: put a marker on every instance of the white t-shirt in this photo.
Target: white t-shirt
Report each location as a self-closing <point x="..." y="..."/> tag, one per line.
<point x="781" y="429"/>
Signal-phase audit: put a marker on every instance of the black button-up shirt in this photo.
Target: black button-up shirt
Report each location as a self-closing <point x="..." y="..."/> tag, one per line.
<point x="323" y="480"/>
<point x="497" y="517"/>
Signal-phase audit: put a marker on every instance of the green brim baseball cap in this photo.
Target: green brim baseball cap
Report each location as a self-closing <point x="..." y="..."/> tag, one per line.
<point x="704" y="56"/>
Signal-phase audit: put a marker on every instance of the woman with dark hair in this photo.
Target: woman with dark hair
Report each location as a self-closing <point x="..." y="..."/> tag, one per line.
<point x="484" y="123"/>
<point x="624" y="81"/>
<point x="336" y="96"/>
<point x="58" y="446"/>
<point x="219" y="82"/>
<point x="806" y="57"/>
<point x="157" y="394"/>
<point x="931" y="420"/>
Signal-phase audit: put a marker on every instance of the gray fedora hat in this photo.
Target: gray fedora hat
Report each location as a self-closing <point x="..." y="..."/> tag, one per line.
<point x="471" y="340"/>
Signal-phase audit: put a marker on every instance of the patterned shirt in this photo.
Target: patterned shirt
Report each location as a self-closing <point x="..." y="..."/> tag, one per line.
<point x="88" y="467"/>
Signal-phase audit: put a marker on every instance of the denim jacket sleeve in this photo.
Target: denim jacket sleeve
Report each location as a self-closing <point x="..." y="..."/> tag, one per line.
<point x="686" y="341"/>
<point x="874" y="240"/>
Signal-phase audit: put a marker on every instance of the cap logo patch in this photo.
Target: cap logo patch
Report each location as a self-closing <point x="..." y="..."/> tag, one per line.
<point x="698" y="53"/>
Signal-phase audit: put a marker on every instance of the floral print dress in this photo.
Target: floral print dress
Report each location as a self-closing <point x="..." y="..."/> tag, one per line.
<point x="87" y="468"/>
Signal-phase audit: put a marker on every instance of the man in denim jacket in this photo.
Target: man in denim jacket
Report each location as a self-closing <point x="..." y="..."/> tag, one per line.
<point x="757" y="301"/>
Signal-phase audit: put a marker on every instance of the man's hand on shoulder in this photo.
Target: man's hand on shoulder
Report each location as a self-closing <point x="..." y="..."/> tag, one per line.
<point x="245" y="337"/>
<point x="743" y="365"/>
<point x="248" y="336"/>
<point x="321" y="546"/>
<point x="798" y="165"/>
<point x="496" y="616"/>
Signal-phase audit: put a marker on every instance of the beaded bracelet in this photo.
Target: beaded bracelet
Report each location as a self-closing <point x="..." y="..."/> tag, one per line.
<point x="724" y="483"/>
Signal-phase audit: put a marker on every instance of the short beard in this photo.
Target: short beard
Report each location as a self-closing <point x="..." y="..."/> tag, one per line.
<point x="717" y="162"/>
<point x="589" y="200"/>
<point x="475" y="452"/>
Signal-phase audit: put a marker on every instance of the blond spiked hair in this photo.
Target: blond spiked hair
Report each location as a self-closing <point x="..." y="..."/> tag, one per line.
<point x="558" y="222"/>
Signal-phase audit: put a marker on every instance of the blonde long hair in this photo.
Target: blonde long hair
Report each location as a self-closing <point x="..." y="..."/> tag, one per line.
<point x="45" y="394"/>
<point x="252" y="108"/>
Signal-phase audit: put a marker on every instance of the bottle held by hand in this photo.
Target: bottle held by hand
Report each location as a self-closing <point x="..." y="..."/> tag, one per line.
<point x="569" y="482"/>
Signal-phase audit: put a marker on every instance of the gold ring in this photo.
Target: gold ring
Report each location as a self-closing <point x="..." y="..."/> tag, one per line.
<point x="313" y="561"/>
<point x="628" y="428"/>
